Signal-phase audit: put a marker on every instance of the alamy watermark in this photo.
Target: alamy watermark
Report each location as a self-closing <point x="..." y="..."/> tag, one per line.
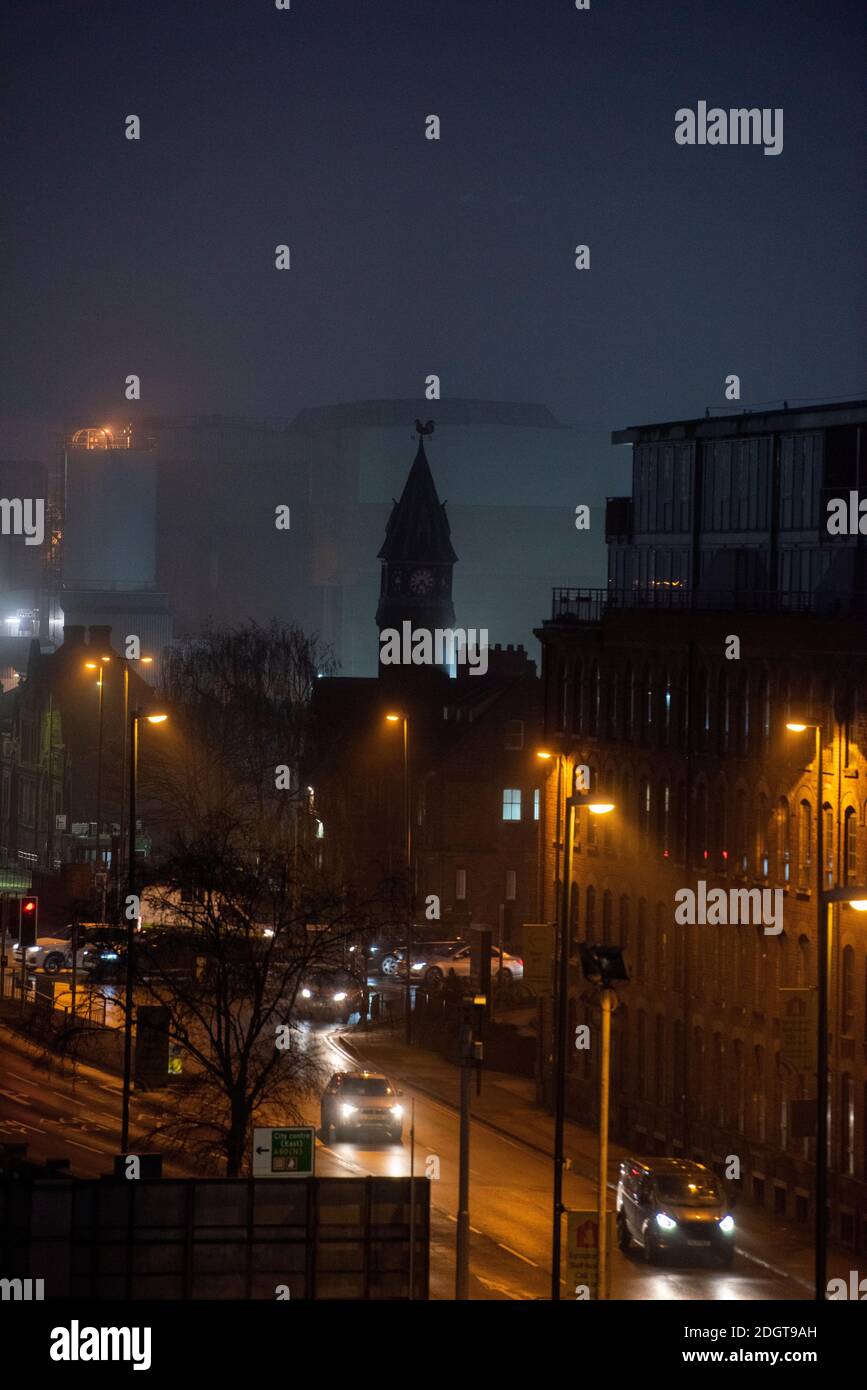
<point x="22" y="1290"/>
<point x="759" y="907"/>
<point x="23" y="516"/>
<point x="737" y="126"/>
<point x="439" y="646"/>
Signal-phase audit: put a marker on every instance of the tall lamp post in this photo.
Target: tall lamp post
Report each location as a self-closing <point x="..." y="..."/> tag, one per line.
<point x="398" y="718"/>
<point x="131" y="917"/>
<point x="597" y="807"/>
<point x="100" y="667"/>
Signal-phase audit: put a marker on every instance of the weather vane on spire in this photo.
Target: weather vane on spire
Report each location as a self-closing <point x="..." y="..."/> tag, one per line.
<point x="421" y="430"/>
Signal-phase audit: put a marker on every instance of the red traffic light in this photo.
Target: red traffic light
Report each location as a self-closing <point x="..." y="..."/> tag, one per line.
<point x="29" y="904"/>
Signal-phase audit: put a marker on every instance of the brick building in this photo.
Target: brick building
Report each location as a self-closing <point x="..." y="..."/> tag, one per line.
<point x="683" y="727"/>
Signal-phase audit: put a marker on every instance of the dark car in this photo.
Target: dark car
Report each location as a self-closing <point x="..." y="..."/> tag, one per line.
<point x="672" y="1205"/>
<point x="331" y="995"/>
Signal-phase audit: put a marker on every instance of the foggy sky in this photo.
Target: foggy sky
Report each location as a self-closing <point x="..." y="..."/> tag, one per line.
<point x="411" y="256"/>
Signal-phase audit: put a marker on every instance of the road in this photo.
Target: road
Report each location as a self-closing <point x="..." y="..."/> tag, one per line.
<point x="510" y="1182"/>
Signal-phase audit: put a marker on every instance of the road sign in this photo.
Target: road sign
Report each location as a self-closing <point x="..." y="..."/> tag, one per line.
<point x="537" y="949"/>
<point x="582" y="1252"/>
<point x="284" y="1153"/>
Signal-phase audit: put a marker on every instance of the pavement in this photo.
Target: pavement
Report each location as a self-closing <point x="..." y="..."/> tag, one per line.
<point x="507" y="1106"/>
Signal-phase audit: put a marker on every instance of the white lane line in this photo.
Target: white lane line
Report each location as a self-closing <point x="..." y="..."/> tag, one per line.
<point x="476" y="1231"/>
<point x="518" y="1254"/>
<point x="10" y="1095"/>
<point x="452" y="1218"/>
<point x="89" y="1147"/>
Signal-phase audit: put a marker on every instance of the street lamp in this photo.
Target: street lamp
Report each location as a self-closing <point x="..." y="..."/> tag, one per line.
<point x="100" y="667"/>
<point x="398" y="717"/>
<point x="597" y="806"/>
<point x="131" y="916"/>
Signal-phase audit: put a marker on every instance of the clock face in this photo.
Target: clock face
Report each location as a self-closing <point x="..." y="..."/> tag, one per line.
<point x="421" y="581"/>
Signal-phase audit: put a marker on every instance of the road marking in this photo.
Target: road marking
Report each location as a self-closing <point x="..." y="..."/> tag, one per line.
<point x="476" y="1231"/>
<point x="11" y="1095"/>
<point x="452" y="1218"/>
<point x="517" y="1254"/>
<point x="89" y="1147"/>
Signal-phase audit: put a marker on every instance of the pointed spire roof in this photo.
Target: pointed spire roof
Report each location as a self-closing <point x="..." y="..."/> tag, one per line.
<point x="418" y="529"/>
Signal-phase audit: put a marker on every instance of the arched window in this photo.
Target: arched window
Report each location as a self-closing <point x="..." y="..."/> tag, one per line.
<point x="647" y="702"/>
<point x="828" y="844"/>
<point x="659" y="1067"/>
<point x="641" y="947"/>
<point x="745" y="698"/>
<point x="762" y="828"/>
<point x="641" y="1055"/>
<point x="681" y="817"/>
<point x="742" y="858"/>
<point x="702" y="700"/>
<point x="629" y="694"/>
<point x="717" y="1080"/>
<point x="644" y="809"/>
<point x="574" y="899"/>
<point x="590" y="915"/>
<point x="758" y="1098"/>
<point x="850" y="845"/>
<point x="805" y="844"/>
<point x="723" y="711"/>
<point x="847" y="992"/>
<point x="612" y="707"/>
<point x="847" y="1123"/>
<point x="578" y="698"/>
<point x="663" y="820"/>
<point x="698" y="1092"/>
<point x="721" y="846"/>
<point x="738" y="1084"/>
<point x="700" y="849"/>
<point x="764" y="703"/>
<point x="606" y="916"/>
<point x="667" y="712"/>
<point x="624" y="921"/>
<point x="784" y="842"/>
<point x="661" y="948"/>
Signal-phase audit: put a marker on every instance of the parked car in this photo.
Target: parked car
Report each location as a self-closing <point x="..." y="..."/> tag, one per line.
<point x="54" y="953"/>
<point x="431" y="968"/>
<point x="356" y="1102"/>
<point x="676" y="1205"/>
<point x="333" y="995"/>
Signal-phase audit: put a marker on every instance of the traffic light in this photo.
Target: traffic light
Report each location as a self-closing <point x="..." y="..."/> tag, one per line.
<point x="29" y="921"/>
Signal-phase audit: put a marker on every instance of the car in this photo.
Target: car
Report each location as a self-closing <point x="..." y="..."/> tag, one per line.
<point x="334" y="995"/>
<point x="673" y="1205"/>
<point x="54" y="953"/>
<point x="433" y="968"/>
<point x="357" y="1102"/>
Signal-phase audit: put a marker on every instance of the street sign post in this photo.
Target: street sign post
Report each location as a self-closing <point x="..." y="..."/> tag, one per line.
<point x="537" y="948"/>
<point x="582" y="1252"/>
<point x="284" y="1153"/>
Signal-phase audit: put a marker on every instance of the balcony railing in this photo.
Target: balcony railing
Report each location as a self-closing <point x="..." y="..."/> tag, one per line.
<point x="588" y="605"/>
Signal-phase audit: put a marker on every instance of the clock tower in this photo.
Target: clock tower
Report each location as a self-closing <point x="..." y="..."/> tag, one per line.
<point x="417" y="555"/>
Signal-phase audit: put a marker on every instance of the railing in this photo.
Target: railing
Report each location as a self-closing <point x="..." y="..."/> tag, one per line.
<point x="588" y="605"/>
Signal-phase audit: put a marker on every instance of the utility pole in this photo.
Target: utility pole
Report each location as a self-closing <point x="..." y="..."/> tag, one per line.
<point x="608" y="1003"/>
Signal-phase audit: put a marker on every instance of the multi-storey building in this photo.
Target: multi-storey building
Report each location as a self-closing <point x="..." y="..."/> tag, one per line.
<point x="730" y="611"/>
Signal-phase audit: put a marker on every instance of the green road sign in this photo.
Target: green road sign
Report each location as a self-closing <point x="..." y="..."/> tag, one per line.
<point x="284" y="1153"/>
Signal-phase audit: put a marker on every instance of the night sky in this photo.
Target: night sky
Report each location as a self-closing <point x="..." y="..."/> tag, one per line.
<point x="411" y="256"/>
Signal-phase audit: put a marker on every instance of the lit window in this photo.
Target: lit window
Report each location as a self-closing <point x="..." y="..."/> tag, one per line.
<point x="537" y="798"/>
<point x="511" y="803"/>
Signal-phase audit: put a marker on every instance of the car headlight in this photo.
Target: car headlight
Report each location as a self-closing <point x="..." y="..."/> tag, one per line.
<point x="665" y="1222"/>
<point x="347" y="1110"/>
<point x="727" y="1224"/>
<point x="339" y="998"/>
<point x="419" y="964"/>
<point x="108" y="955"/>
<point x="397" y="1111"/>
<point x="31" y="950"/>
<point x="305" y="994"/>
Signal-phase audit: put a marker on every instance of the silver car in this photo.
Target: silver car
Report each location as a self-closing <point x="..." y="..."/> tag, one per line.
<point x="361" y="1102"/>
